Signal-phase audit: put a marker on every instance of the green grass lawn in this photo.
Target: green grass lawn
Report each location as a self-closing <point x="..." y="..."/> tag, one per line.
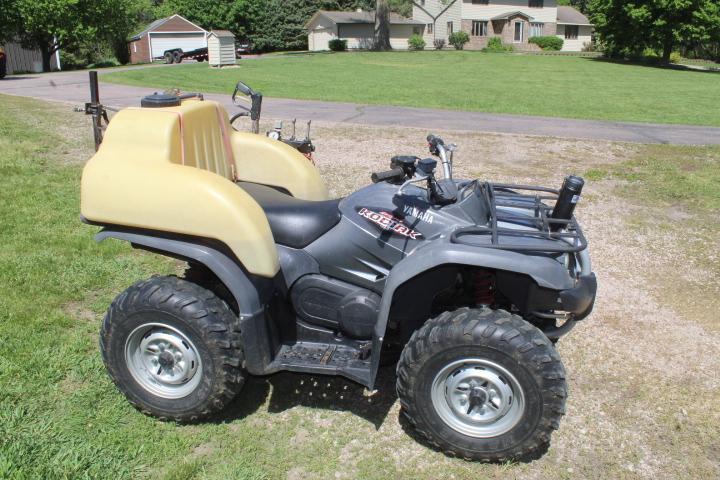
<point x="555" y="86"/>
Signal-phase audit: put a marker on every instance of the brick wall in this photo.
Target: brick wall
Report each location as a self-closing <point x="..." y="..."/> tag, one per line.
<point x="140" y="50"/>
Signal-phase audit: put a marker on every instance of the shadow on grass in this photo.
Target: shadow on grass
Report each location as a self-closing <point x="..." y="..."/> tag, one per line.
<point x="672" y="66"/>
<point x="288" y="390"/>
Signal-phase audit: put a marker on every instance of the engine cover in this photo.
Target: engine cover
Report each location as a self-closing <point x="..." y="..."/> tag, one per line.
<point x="335" y="304"/>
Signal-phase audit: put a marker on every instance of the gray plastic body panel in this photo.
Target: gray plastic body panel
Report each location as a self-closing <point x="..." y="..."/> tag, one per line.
<point x="234" y="278"/>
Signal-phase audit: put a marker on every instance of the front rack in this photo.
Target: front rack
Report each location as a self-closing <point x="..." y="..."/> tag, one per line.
<point x="571" y="240"/>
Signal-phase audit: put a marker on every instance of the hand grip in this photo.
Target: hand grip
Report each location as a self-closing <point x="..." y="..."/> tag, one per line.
<point x="396" y="174"/>
<point x="435" y="140"/>
<point x="244" y="89"/>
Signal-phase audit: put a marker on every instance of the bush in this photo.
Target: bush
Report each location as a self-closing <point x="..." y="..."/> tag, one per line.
<point x="337" y="45"/>
<point x="495" y="45"/>
<point x="548" y="42"/>
<point x="458" y="39"/>
<point x="653" y="57"/>
<point x="416" y="42"/>
<point x="591" y="47"/>
<point x="439" y="43"/>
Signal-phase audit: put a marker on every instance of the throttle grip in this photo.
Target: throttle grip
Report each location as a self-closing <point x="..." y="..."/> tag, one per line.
<point x="394" y="175"/>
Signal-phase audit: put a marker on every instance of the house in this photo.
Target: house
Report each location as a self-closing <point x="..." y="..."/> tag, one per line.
<point x="358" y="28"/>
<point x="514" y="21"/>
<point x="574" y="28"/>
<point x="165" y="34"/>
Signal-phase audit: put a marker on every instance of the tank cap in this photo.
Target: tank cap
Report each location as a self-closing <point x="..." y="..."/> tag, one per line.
<point x="159" y="100"/>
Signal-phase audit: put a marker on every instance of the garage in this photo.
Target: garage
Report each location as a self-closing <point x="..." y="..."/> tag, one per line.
<point x="161" y="42"/>
<point x="357" y="28"/>
<point x="166" y="34"/>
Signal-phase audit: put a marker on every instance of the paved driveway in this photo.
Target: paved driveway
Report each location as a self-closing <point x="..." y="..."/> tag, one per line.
<point x="73" y="87"/>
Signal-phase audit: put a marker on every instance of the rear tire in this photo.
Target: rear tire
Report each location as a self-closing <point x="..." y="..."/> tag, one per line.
<point x="169" y="58"/>
<point x="173" y="349"/>
<point x="483" y="385"/>
<point x="178" y="56"/>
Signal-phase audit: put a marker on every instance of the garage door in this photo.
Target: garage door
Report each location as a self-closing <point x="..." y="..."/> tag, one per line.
<point x="167" y="41"/>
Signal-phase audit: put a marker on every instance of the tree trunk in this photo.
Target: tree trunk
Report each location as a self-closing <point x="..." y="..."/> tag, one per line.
<point x="382" y="26"/>
<point x="46" y="52"/>
<point x="667" y="50"/>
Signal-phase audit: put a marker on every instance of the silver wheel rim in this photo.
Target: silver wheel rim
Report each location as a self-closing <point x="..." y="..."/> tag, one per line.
<point x="478" y="398"/>
<point x="163" y="360"/>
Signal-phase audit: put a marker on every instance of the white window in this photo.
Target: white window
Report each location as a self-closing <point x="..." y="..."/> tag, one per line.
<point x="429" y="28"/>
<point x="519" y="27"/>
<point x="537" y="29"/>
<point x="449" y="28"/>
<point x="479" y="28"/>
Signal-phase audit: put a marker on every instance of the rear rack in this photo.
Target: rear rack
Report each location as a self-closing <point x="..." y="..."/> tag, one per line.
<point x="571" y="240"/>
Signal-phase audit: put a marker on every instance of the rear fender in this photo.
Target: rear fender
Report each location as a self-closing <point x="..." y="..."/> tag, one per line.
<point x="250" y="292"/>
<point x="546" y="272"/>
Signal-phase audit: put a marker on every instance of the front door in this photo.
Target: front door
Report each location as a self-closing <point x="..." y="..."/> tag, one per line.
<point x="519" y="32"/>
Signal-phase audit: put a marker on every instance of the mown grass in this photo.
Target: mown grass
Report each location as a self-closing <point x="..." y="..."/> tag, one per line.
<point x="553" y="86"/>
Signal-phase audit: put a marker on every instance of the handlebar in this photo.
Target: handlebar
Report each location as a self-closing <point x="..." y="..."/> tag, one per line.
<point x="438" y="148"/>
<point x="434" y="141"/>
<point x="394" y="175"/>
<point x="255" y="104"/>
<point x="244" y="89"/>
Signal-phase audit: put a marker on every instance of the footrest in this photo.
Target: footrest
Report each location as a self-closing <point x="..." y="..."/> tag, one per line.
<point x="333" y="359"/>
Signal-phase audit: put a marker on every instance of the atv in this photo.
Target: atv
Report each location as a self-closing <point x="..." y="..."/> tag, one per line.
<point x="465" y="284"/>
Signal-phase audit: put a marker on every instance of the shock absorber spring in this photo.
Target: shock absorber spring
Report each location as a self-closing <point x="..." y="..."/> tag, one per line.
<point x="484" y="287"/>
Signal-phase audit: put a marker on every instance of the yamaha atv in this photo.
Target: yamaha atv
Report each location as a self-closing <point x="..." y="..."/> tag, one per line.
<point x="467" y="283"/>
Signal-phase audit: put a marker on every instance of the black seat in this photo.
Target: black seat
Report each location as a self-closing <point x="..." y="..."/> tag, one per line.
<point x="295" y="223"/>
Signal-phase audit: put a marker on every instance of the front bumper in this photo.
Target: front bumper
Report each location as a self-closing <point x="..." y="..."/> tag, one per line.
<point x="580" y="300"/>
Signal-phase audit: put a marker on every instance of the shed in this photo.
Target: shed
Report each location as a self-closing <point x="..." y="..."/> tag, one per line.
<point x="166" y="34"/>
<point x="19" y="59"/>
<point x="358" y="28"/>
<point x="221" y="47"/>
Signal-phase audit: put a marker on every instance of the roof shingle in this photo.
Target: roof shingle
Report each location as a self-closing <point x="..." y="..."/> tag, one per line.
<point x="569" y="15"/>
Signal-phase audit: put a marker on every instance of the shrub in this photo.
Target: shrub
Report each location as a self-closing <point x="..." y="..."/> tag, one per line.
<point x="653" y="57"/>
<point x="548" y="42"/>
<point x="458" y="39"/>
<point x="591" y="47"/>
<point x="337" y="45"/>
<point x="439" y="43"/>
<point x="495" y="45"/>
<point x="416" y="42"/>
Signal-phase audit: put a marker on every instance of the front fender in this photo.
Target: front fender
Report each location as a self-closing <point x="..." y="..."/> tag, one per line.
<point x="545" y="271"/>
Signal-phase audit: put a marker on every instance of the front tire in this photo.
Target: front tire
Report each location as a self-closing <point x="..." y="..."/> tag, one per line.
<point x="483" y="385"/>
<point x="173" y="349"/>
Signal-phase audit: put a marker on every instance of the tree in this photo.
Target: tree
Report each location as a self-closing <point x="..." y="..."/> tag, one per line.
<point x="209" y="14"/>
<point x="382" y="26"/>
<point x="582" y="5"/>
<point x="49" y="25"/>
<point x="627" y="29"/>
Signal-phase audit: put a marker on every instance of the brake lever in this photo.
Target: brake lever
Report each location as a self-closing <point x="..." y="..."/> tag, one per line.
<point x="411" y="181"/>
